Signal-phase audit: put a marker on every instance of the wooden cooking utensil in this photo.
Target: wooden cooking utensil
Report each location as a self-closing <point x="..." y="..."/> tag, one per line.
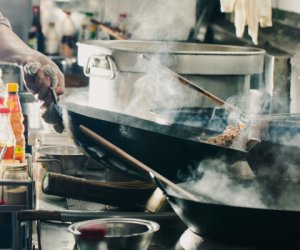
<point x="133" y="161"/>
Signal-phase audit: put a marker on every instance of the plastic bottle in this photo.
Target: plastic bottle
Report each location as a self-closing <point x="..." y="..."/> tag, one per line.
<point x="68" y="41"/>
<point x="7" y="137"/>
<point x="2" y="85"/>
<point x="51" y="40"/>
<point x="16" y="120"/>
<point x="88" y="29"/>
<point x="122" y="25"/>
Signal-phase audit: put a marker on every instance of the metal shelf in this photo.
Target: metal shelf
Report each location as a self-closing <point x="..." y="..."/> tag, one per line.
<point x="21" y="232"/>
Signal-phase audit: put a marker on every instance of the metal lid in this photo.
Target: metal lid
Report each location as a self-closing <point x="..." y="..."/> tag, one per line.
<point x="184" y="58"/>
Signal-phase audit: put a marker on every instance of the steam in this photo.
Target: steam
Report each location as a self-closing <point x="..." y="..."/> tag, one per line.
<point x="162" y="20"/>
<point x="158" y="91"/>
<point x="218" y="184"/>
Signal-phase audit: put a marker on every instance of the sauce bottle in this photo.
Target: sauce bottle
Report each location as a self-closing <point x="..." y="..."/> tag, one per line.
<point x="16" y="120"/>
<point x="68" y="41"/>
<point x="7" y="137"/>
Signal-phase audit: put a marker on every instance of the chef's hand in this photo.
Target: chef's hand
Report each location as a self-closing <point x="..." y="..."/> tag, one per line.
<point x="40" y="73"/>
<point x="14" y="51"/>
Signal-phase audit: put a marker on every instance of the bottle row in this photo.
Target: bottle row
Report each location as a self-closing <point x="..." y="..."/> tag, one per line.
<point x="62" y="41"/>
<point x="12" y="129"/>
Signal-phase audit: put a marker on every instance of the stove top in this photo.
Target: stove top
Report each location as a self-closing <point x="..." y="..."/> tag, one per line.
<point x="191" y="241"/>
<point x="172" y="235"/>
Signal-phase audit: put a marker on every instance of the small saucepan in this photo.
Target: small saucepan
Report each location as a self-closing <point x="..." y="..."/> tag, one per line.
<point x="121" y="233"/>
<point x="64" y="159"/>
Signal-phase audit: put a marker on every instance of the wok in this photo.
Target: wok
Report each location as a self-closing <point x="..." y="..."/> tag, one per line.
<point x="237" y="225"/>
<point x="165" y="148"/>
<point x="278" y="152"/>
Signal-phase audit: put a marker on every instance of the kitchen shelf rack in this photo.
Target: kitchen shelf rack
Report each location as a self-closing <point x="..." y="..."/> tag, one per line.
<point x="21" y="232"/>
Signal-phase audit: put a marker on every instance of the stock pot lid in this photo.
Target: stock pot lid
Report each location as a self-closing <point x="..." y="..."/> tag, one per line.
<point x="184" y="58"/>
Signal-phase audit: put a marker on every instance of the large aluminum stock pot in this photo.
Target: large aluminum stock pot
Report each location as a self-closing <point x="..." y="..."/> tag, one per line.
<point x="117" y="73"/>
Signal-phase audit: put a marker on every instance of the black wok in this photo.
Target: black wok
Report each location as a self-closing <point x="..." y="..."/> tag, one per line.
<point x="165" y="148"/>
<point x="237" y="225"/>
<point x="279" y="149"/>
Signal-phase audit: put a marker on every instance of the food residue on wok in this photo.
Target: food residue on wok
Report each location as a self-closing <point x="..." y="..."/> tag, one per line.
<point x="229" y="135"/>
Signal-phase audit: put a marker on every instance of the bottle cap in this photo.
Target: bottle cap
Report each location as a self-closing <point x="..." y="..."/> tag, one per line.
<point x="35" y="9"/>
<point x="12" y="87"/>
<point x="4" y="110"/>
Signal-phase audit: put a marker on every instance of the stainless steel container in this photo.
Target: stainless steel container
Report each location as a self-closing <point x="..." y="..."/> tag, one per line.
<point x="61" y="159"/>
<point x="121" y="80"/>
<point x="122" y="233"/>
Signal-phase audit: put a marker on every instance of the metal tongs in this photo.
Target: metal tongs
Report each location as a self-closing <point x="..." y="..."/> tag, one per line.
<point x="53" y="113"/>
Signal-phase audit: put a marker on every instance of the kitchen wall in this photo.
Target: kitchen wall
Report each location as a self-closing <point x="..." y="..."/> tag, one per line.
<point x="287" y="5"/>
<point x="147" y="19"/>
<point x="19" y="14"/>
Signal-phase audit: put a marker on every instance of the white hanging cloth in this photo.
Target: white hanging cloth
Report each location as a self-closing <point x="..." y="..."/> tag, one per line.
<point x="251" y="13"/>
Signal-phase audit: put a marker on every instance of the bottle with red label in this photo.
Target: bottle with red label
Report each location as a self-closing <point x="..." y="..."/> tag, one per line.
<point x="16" y="120"/>
<point x="7" y="137"/>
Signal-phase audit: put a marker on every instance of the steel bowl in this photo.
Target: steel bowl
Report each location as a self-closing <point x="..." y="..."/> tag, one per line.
<point x="122" y="233"/>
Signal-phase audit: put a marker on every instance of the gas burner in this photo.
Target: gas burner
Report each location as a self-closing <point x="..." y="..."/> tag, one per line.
<point x="191" y="241"/>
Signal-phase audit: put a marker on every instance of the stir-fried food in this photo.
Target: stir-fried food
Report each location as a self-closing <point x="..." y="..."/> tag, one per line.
<point x="228" y="136"/>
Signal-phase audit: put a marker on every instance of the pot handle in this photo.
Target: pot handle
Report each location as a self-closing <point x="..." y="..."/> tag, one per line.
<point x="100" y="65"/>
<point x="162" y="187"/>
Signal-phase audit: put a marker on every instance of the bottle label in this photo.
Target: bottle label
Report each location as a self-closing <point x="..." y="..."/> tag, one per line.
<point x="9" y="154"/>
<point x="19" y="153"/>
<point x="32" y="43"/>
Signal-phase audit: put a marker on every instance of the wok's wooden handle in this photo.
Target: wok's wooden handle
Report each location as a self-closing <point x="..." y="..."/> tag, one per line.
<point x="95" y="191"/>
<point x="31" y="215"/>
<point x="131" y="160"/>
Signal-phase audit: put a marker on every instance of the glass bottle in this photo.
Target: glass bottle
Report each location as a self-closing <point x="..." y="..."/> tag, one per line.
<point x="35" y="36"/>
<point x="68" y="41"/>
<point x="7" y="137"/>
<point x="14" y="170"/>
<point x="16" y="120"/>
<point x="51" y="40"/>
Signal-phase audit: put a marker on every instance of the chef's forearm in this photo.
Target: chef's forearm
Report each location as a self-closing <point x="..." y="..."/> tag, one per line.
<point x="12" y="48"/>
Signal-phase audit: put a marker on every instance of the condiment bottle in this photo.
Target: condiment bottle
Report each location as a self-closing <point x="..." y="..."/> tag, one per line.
<point x="52" y="40"/>
<point x="122" y="23"/>
<point x="2" y="85"/>
<point x="14" y="170"/>
<point x="16" y="120"/>
<point x="88" y="29"/>
<point x="35" y="36"/>
<point x="7" y="137"/>
<point x="68" y="41"/>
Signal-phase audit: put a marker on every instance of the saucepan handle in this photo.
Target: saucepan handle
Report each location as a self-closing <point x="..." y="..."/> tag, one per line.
<point x="162" y="187"/>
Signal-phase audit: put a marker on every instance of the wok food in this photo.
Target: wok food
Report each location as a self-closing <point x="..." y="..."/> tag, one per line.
<point x="226" y="139"/>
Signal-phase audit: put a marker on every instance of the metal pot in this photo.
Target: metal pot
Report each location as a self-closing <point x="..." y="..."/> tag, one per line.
<point x="115" y="66"/>
<point x="122" y="233"/>
<point x="61" y="159"/>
